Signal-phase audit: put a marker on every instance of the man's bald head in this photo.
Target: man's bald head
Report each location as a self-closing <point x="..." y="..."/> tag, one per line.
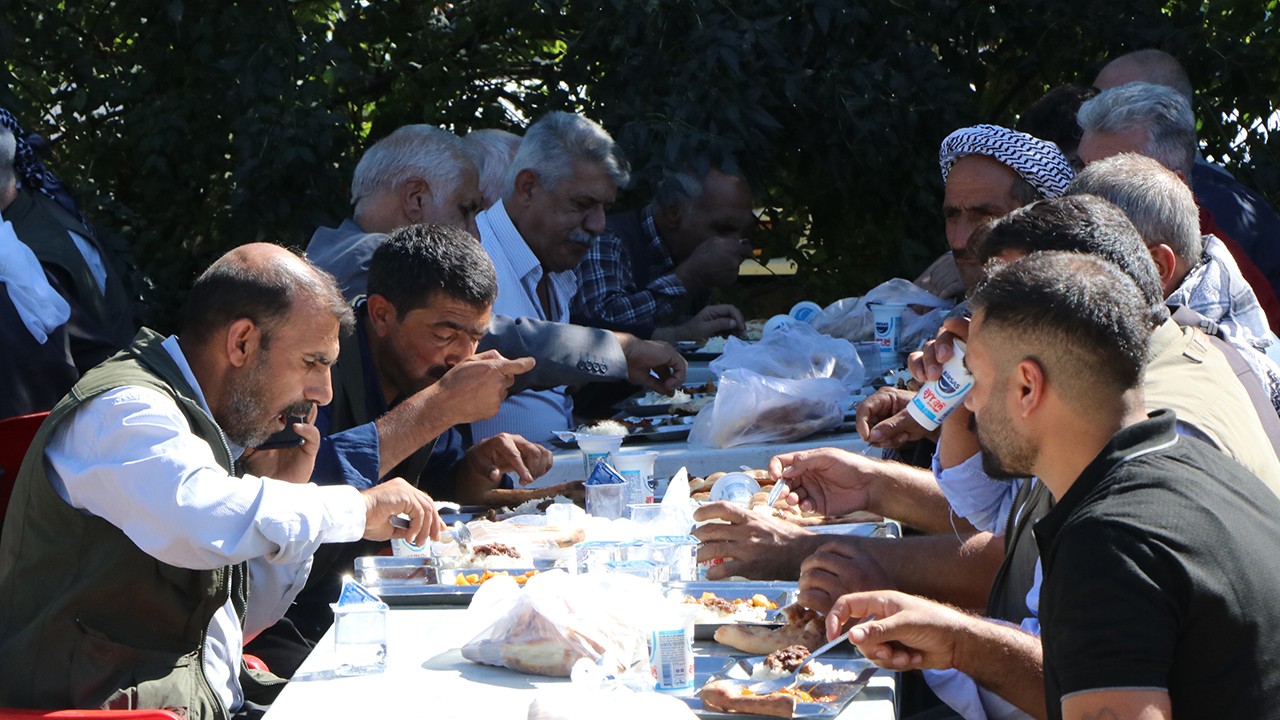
<point x="263" y="283"/>
<point x="1150" y="66"/>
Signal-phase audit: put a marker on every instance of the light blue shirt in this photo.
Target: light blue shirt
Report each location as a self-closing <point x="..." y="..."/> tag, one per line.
<point x="532" y="414"/>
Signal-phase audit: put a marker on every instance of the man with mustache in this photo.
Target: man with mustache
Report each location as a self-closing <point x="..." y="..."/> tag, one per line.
<point x="567" y="170"/>
<point x="144" y="542"/>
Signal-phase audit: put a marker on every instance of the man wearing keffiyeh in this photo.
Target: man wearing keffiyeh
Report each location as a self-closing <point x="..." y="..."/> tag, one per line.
<point x="988" y="171"/>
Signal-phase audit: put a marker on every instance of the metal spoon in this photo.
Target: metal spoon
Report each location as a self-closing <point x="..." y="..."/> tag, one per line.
<point x="462" y="536"/>
<point x="765" y="687"/>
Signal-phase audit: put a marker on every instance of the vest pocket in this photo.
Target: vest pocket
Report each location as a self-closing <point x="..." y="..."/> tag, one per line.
<point x="113" y="675"/>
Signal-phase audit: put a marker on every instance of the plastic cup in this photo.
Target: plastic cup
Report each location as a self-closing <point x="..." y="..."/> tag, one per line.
<point x="637" y="468"/>
<point x="679" y="553"/>
<point x="596" y="448"/>
<point x="937" y="398"/>
<point x="778" y="322"/>
<point x="360" y="638"/>
<point x="644" y="512"/>
<point x="671" y="651"/>
<point x="805" y="311"/>
<point x="607" y="501"/>
<point x="869" y="354"/>
<point x="735" y="487"/>
<point x="887" y="318"/>
<point x="594" y="555"/>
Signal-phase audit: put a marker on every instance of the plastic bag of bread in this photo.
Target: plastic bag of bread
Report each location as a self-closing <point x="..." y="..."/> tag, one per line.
<point x="559" y="618"/>
<point x="751" y="408"/>
<point x="794" y="352"/>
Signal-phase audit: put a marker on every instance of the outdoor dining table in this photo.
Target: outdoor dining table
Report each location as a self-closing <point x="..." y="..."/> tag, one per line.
<point x="426" y="676"/>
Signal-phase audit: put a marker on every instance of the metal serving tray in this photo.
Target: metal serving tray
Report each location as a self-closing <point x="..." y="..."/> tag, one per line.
<point x="707" y="669"/>
<point x="782" y="593"/>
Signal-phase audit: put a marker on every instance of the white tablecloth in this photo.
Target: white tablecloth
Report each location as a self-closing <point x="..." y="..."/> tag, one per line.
<point x="426" y="676"/>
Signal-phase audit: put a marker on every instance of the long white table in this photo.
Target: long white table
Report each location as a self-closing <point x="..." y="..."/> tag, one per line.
<point x="426" y="676"/>
<point x="702" y="461"/>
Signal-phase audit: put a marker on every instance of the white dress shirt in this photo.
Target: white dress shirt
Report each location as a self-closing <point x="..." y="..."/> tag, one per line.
<point x="129" y="456"/>
<point x="533" y="414"/>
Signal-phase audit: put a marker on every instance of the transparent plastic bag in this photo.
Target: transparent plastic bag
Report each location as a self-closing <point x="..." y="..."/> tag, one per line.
<point x="751" y="408"/>
<point x="558" y="619"/>
<point x="794" y="352"/>
<point x="850" y="318"/>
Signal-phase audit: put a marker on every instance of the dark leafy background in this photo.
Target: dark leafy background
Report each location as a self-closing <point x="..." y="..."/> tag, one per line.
<point x="191" y="127"/>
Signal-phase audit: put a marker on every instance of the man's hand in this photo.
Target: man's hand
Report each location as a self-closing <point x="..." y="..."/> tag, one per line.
<point x="714" y="263"/>
<point x="475" y="388"/>
<point x="839" y="567"/>
<point x="830" y="481"/>
<point x="653" y="365"/>
<point x="289" y="464"/>
<point x="752" y="545"/>
<point x="488" y="460"/>
<point x="882" y="419"/>
<point x="926" y="364"/>
<point x="909" y="633"/>
<point x="393" y="497"/>
<point x="711" y="321"/>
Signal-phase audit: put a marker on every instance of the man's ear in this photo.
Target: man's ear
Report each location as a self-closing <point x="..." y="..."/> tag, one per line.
<point x="243" y="340"/>
<point x="382" y="314"/>
<point x="526" y="182"/>
<point x="1166" y="263"/>
<point x="415" y="198"/>
<point x="1029" y="381"/>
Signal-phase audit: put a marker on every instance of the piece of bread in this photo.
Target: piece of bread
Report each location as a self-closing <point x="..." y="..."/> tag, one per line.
<point x="727" y="696"/>
<point x="804" y="627"/>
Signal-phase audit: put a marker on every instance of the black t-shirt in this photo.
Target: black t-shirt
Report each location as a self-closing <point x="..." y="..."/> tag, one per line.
<point x="1162" y="571"/>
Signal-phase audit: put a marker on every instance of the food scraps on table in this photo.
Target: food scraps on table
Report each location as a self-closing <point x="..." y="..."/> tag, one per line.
<point x="470" y="579"/>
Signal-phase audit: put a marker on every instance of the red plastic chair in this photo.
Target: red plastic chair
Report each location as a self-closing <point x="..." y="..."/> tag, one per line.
<point x="16" y="434"/>
<point x="90" y="714"/>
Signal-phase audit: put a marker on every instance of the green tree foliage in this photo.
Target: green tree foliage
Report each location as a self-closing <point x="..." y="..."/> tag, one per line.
<point x="191" y="127"/>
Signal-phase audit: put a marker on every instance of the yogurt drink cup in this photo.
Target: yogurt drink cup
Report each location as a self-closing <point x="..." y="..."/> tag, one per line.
<point x="935" y="401"/>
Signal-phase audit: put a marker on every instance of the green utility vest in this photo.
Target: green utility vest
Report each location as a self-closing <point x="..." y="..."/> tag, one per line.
<point x="87" y="619"/>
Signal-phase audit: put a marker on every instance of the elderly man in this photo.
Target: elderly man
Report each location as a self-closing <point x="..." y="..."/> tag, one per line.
<point x="403" y="380"/>
<point x="1196" y="272"/>
<point x="492" y="151"/>
<point x="1239" y="211"/>
<point x="988" y="170"/>
<point x="653" y="269"/>
<point x="131" y="536"/>
<point x="1151" y="571"/>
<point x="568" y="169"/>
<point x="422" y="174"/>
<point x="1156" y="121"/>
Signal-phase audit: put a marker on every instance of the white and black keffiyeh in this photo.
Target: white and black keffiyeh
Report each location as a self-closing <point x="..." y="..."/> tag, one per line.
<point x="1037" y="161"/>
<point x="33" y="174"/>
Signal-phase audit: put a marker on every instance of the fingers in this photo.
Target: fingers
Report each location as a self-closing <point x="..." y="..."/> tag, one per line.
<point x="517" y="366"/>
<point x="310" y="435"/>
<point x="896" y="430"/>
<point x="854" y="606"/>
<point x="720" y="511"/>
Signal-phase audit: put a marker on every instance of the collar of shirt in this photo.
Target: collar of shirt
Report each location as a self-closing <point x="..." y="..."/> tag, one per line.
<point x="505" y="244"/>
<point x="1155" y="433"/>
<point x="171" y="346"/>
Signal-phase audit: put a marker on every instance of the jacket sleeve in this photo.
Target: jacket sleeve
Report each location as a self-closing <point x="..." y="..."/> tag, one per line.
<point x="565" y="354"/>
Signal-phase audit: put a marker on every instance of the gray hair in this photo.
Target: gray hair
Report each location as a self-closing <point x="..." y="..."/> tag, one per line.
<point x="681" y="187"/>
<point x="492" y="151"/>
<point x="8" y="152"/>
<point x="1157" y="202"/>
<point x="557" y="140"/>
<point x="424" y="151"/>
<point x="1162" y="112"/>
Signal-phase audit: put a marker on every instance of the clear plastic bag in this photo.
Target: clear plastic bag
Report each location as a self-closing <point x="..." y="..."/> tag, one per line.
<point x="850" y="318"/>
<point x="794" y="352"/>
<point x="558" y="619"/>
<point x="751" y="408"/>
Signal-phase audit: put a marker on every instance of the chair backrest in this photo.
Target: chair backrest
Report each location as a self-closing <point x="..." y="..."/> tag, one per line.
<point x="16" y="434"/>
<point x="89" y="714"/>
